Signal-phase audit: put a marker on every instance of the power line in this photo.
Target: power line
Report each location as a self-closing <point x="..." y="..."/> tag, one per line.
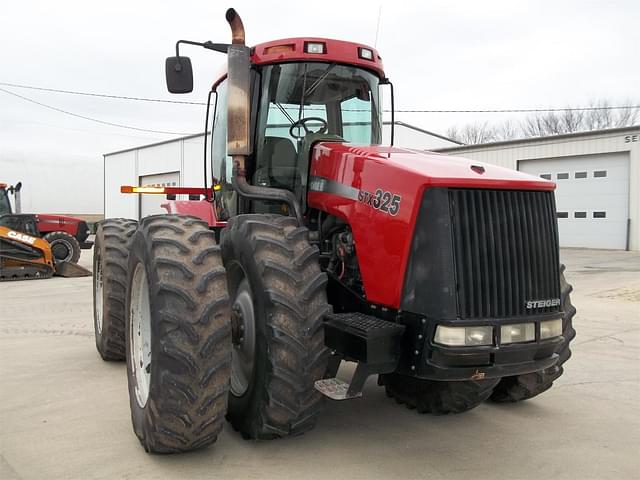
<point x="495" y="110"/>
<point x="525" y="110"/>
<point x="66" y="112"/>
<point x="103" y="95"/>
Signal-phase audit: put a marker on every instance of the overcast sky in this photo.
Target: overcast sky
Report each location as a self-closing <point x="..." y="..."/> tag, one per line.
<point x="439" y="54"/>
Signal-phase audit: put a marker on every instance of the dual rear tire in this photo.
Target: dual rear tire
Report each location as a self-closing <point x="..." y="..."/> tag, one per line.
<point x="278" y="303"/>
<point x="110" y="266"/>
<point x="178" y="333"/>
<point x="178" y="337"/>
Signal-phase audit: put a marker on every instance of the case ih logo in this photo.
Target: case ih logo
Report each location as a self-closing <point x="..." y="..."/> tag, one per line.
<point x="550" y="302"/>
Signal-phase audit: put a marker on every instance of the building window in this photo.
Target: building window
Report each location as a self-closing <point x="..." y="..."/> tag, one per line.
<point x="546" y="176"/>
<point x="563" y="214"/>
<point x="599" y="214"/>
<point x="581" y="175"/>
<point x="599" y="173"/>
<point x="579" y="214"/>
<point x="563" y="176"/>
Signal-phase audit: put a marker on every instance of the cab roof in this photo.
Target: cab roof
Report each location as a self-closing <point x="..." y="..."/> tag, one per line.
<point x="328" y="50"/>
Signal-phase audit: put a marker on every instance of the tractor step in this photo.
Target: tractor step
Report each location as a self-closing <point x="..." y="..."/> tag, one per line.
<point x="373" y="343"/>
<point x="335" y="389"/>
<point x="363" y="338"/>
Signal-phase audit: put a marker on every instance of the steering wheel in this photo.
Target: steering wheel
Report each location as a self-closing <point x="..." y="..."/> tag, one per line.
<point x="302" y="124"/>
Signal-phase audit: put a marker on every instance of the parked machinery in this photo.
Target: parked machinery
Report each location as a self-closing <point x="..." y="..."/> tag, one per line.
<point x="28" y="252"/>
<point x="438" y="274"/>
<point x="66" y="235"/>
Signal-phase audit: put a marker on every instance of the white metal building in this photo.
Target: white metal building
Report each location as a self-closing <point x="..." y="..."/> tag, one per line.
<point x="179" y="162"/>
<point x="597" y="175"/>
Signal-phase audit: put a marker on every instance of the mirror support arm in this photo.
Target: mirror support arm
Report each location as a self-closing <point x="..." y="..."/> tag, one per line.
<point x="209" y="45"/>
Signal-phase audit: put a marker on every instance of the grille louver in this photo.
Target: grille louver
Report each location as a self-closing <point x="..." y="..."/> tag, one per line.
<point x="505" y="250"/>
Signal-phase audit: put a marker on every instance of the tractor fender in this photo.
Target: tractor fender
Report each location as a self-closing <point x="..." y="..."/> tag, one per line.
<point x="195" y="208"/>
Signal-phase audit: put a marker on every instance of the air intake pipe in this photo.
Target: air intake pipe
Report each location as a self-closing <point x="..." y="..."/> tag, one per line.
<point x="238" y="115"/>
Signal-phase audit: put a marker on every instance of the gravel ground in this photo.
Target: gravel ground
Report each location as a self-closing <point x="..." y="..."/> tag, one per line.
<point x="64" y="412"/>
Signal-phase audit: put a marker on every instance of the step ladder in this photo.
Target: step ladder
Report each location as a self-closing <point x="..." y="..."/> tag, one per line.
<point x="373" y="343"/>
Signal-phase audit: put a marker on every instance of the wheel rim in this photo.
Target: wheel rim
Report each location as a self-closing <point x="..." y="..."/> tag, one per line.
<point x="99" y="300"/>
<point x="140" y="334"/>
<point x="244" y="339"/>
<point x="62" y="250"/>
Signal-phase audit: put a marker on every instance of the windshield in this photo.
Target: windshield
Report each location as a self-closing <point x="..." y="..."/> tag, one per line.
<point x="5" y="206"/>
<point x="339" y="98"/>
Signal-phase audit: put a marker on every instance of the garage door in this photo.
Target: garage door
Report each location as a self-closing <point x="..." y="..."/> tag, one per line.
<point x="592" y="197"/>
<point x="150" y="204"/>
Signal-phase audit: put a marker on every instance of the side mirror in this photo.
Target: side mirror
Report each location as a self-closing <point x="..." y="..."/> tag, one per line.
<point x="179" y="74"/>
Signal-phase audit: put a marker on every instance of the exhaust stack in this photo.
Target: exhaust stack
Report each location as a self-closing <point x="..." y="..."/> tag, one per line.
<point x="238" y="115"/>
<point x="238" y="96"/>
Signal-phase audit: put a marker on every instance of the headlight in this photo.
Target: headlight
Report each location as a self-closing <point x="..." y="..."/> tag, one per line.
<point x="551" y="328"/>
<point x="518" y="332"/>
<point x="463" y="336"/>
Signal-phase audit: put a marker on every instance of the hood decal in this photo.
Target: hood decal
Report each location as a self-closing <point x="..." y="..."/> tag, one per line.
<point x="326" y="185"/>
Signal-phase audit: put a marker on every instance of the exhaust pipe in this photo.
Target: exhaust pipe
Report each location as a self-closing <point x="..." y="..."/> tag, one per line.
<point x="15" y="189"/>
<point x="237" y="28"/>
<point x="238" y="115"/>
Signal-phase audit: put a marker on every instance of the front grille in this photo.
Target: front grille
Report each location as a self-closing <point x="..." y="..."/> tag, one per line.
<point x="505" y="252"/>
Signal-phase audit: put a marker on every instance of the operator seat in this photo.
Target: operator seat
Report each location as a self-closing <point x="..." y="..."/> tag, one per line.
<point x="281" y="159"/>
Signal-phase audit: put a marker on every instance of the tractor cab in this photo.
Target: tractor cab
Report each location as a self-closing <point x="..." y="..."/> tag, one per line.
<point x="5" y="204"/>
<point x="298" y="104"/>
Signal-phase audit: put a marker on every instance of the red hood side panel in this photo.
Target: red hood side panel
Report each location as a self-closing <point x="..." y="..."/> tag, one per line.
<point x="345" y="178"/>
<point x="57" y="223"/>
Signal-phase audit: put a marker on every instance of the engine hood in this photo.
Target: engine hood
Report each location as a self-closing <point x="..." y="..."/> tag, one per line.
<point x="434" y="169"/>
<point x="61" y="219"/>
<point x="378" y="192"/>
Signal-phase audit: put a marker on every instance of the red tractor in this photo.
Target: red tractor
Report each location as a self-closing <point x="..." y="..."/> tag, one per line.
<point x="314" y="245"/>
<point x="66" y="235"/>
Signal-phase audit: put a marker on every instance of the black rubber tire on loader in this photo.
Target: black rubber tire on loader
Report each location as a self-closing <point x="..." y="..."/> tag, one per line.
<point x="187" y="317"/>
<point x="110" y="258"/>
<point x="523" y="387"/>
<point x="437" y="398"/>
<point x="270" y="257"/>
<point x="64" y="247"/>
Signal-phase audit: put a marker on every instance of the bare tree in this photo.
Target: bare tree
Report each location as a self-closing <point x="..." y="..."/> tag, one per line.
<point x="506" y="131"/>
<point x="472" y="134"/>
<point x="600" y="116"/>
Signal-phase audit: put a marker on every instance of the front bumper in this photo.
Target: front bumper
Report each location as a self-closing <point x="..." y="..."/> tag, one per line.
<point x="422" y="358"/>
<point x="477" y="363"/>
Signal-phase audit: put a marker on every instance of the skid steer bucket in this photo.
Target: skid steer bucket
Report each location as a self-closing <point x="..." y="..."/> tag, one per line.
<point x="70" y="270"/>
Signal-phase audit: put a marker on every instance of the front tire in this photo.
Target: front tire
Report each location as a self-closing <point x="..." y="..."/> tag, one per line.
<point x="110" y="258"/>
<point x="438" y="398"/>
<point x="278" y="302"/>
<point x="523" y="387"/>
<point x="178" y="336"/>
